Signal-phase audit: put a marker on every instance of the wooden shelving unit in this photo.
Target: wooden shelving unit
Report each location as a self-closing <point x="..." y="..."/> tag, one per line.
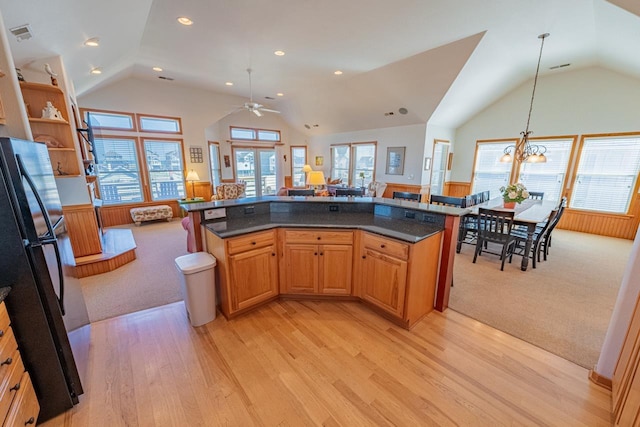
<point x="64" y="158"/>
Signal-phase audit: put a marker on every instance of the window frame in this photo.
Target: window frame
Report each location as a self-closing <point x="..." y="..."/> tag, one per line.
<point x="633" y="195"/>
<point x="351" y="168"/>
<point x="256" y="132"/>
<point x="147" y="176"/>
<point x="134" y="123"/>
<point x="306" y="161"/>
<point x="212" y="180"/>
<point x="140" y="116"/>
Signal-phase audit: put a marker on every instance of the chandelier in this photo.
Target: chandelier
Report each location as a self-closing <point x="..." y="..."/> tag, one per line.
<point x="524" y="150"/>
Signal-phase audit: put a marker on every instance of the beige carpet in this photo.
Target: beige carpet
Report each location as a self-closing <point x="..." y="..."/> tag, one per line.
<point x="149" y="281"/>
<point x="563" y="306"/>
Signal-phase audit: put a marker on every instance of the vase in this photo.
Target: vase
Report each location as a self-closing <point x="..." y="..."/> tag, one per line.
<point x="509" y="205"/>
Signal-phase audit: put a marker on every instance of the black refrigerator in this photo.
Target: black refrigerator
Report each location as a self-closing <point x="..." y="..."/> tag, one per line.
<point x="30" y="217"/>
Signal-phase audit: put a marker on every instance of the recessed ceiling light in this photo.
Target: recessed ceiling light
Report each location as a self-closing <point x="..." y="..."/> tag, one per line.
<point x="337" y="72"/>
<point x="229" y="83"/>
<point x="280" y="94"/>
<point x="96" y="70"/>
<point x="93" y="42"/>
<point x="279" y="53"/>
<point x="185" y="21"/>
<point x="158" y="69"/>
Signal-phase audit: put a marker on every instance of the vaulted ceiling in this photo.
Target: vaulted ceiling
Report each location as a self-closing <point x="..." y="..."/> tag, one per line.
<point x="443" y="61"/>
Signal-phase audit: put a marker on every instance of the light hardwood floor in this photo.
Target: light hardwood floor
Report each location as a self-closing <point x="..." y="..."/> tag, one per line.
<point x="322" y="363"/>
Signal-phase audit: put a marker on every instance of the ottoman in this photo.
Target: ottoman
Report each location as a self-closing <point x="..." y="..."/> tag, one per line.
<point x="150" y="213"/>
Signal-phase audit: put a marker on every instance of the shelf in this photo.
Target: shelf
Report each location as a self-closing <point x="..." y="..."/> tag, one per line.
<point x="40" y="87"/>
<point x="61" y="149"/>
<point x="66" y="176"/>
<point x="52" y="121"/>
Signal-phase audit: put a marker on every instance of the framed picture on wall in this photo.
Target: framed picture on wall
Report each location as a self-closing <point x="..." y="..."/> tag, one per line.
<point x="395" y="161"/>
<point x="319" y="160"/>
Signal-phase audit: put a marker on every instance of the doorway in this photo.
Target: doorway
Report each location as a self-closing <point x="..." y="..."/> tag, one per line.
<point x="257" y="168"/>
<point x="439" y="169"/>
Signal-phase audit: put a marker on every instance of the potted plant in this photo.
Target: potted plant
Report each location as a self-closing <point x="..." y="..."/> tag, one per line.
<point x="512" y="194"/>
<point x="362" y="177"/>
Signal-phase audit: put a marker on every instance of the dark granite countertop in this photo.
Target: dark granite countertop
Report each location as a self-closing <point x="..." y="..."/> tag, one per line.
<point x="409" y="231"/>
<point x="424" y="207"/>
<point x="4" y="291"/>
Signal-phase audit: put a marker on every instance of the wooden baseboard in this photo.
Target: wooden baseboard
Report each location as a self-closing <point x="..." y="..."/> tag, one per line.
<point x="600" y="380"/>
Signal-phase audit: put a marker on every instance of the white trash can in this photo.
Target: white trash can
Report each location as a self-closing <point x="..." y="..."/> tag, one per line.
<point x="198" y="285"/>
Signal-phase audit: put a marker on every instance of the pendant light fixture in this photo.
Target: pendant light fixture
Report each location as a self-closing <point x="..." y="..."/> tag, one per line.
<point x="524" y="151"/>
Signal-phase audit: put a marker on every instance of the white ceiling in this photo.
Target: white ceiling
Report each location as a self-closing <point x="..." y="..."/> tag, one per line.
<point x="442" y="60"/>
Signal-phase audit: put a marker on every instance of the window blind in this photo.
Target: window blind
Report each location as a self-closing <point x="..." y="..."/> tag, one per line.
<point x="118" y="172"/>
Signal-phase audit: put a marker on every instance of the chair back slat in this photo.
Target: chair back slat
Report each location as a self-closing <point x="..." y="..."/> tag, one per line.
<point x="494" y="225"/>
<point x="406" y="196"/>
<point x="458" y="202"/>
<point x="301" y="192"/>
<point x="352" y="192"/>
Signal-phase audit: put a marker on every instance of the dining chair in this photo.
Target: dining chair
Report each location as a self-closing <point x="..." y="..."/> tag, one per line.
<point x="536" y="195"/>
<point x="406" y="196"/>
<point x="351" y="192"/>
<point x="471" y="200"/>
<point x="538" y="244"/>
<point x="301" y="192"/>
<point x="547" y="241"/>
<point x="457" y="202"/>
<point x="494" y="226"/>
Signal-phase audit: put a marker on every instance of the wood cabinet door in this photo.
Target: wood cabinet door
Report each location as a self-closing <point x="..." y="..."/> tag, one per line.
<point x="384" y="281"/>
<point x="301" y="264"/>
<point x="254" y="275"/>
<point x="335" y="269"/>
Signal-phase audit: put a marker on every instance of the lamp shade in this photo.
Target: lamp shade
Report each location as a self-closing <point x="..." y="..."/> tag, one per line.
<point x="316" y="178"/>
<point x="306" y="168"/>
<point x="193" y="176"/>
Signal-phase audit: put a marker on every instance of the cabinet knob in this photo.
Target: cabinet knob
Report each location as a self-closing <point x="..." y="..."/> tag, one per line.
<point x="15" y="387"/>
<point x="8" y="361"/>
<point x="1" y="333"/>
<point x="273" y="254"/>
<point x="315" y="253"/>
<point x="253" y="243"/>
<point x="30" y="421"/>
<point x="319" y="237"/>
<point x="364" y="257"/>
<point x="382" y="246"/>
<point x="321" y="253"/>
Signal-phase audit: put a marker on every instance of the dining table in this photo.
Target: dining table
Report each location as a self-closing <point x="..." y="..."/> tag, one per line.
<point x="528" y="214"/>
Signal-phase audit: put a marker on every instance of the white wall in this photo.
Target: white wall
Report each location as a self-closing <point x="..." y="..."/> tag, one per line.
<point x="202" y="113"/>
<point x="591" y="100"/>
<point x="412" y="137"/>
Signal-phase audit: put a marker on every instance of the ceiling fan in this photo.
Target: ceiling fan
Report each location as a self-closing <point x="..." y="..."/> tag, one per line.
<point x="252" y="106"/>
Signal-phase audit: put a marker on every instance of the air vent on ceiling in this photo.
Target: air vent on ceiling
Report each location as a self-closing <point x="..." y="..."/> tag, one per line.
<point x="23" y="32"/>
<point x="403" y="110"/>
<point x="166" y="78"/>
<point x="555" y="67"/>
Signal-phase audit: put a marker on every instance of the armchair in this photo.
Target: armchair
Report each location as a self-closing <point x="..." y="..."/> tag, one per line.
<point x="229" y="191"/>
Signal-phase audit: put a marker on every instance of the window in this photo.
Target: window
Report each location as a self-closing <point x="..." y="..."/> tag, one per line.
<point x="298" y="160"/>
<point x="133" y="169"/>
<point x="214" y="161"/>
<point x="109" y="119"/>
<point x="439" y="166"/>
<point x="159" y="124"/>
<point x="548" y="177"/>
<point x="349" y="160"/>
<point x="489" y="173"/>
<point x="118" y="171"/>
<point x="249" y="134"/>
<point x="607" y="172"/>
<point x="164" y="168"/>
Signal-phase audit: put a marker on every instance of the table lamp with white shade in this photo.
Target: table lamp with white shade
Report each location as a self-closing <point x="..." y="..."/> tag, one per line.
<point x="316" y="179"/>
<point x="192" y="177"/>
<point x="306" y="169"/>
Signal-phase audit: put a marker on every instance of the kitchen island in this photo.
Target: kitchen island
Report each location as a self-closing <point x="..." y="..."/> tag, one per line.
<point x="395" y="256"/>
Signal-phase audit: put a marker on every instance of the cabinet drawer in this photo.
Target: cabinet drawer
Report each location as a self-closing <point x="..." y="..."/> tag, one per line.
<point x="386" y="246"/>
<point x="9" y="383"/>
<point x="4" y="319"/>
<point x="250" y="241"/>
<point x="25" y="408"/>
<point x="8" y="346"/>
<point x="319" y="237"/>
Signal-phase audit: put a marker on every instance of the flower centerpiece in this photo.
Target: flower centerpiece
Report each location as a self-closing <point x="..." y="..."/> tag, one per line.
<point x="513" y="193"/>
<point x="362" y="177"/>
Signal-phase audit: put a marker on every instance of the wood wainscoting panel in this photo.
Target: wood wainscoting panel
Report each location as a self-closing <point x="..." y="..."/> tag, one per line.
<point x="621" y="226"/>
<point x="119" y="215"/>
<point x="82" y="225"/>
<point x="457" y="189"/>
<point x="409" y="188"/>
<point x="202" y="189"/>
